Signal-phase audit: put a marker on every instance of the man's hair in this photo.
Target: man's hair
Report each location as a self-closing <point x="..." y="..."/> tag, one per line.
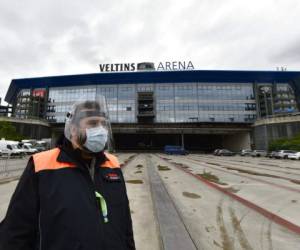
<point x="90" y="105"/>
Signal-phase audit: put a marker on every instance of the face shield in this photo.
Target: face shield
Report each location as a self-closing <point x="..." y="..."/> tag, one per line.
<point x="87" y="125"/>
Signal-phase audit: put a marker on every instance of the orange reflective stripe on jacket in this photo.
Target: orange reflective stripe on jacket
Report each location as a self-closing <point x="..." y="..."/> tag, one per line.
<point x="112" y="161"/>
<point x="48" y="161"/>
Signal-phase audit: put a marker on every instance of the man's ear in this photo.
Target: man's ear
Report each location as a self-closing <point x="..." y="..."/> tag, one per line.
<point x="74" y="136"/>
<point x="73" y="131"/>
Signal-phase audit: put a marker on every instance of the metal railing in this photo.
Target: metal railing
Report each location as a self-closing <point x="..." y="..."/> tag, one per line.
<point x="291" y="114"/>
<point x="12" y="166"/>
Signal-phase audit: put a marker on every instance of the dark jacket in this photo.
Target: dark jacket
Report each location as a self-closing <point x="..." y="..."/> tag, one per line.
<point x="54" y="206"/>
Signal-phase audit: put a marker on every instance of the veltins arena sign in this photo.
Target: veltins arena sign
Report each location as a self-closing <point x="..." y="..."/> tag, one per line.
<point x="162" y="66"/>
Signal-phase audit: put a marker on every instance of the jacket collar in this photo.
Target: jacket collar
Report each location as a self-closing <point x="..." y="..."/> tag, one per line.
<point x="68" y="154"/>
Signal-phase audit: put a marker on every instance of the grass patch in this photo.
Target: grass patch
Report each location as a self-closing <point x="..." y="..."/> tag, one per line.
<point x="217" y="244"/>
<point x="295" y="181"/>
<point x="209" y="229"/>
<point x="181" y="165"/>
<point x="212" y="163"/>
<point x="4" y="182"/>
<point x="232" y="189"/>
<point x="8" y="180"/>
<point x="138" y="172"/>
<point x="211" y="177"/>
<point x="135" y="181"/>
<point x="186" y="167"/>
<point x="243" y="171"/>
<point x="163" y="168"/>
<point x="139" y="166"/>
<point x="177" y="164"/>
<point x="191" y="195"/>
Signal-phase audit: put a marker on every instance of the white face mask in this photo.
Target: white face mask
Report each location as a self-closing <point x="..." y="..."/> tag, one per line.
<point x="96" y="139"/>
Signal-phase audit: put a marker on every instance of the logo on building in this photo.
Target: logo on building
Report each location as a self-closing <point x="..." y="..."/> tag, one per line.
<point x="162" y="66"/>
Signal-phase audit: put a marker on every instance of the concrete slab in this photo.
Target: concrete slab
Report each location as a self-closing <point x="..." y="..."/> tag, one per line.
<point x="216" y="221"/>
<point x="145" y="227"/>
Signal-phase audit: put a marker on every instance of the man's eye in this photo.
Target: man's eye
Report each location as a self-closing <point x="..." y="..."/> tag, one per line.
<point x="94" y="123"/>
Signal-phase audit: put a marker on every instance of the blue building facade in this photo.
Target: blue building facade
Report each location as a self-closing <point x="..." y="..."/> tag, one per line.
<point x="173" y="96"/>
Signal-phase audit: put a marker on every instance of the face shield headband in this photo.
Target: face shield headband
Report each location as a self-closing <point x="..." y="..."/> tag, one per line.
<point x="75" y="119"/>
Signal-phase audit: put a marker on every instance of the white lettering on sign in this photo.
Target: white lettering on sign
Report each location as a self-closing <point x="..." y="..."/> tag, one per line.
<point x="117" y="67"/>
<point x="175" y="66"/>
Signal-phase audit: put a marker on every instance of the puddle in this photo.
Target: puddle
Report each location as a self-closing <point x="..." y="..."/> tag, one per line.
<point x="138" y="172"/>
<point x="163" y="168"/>
<point x="294" y="201"/>
<point x="166" y="177"/>
<point x="211" y="177"/>
<point x="135" y="181"/>
<point x="191" y="195"/>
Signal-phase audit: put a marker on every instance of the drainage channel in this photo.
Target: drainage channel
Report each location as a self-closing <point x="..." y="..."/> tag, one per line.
<point x="174" y="234"/>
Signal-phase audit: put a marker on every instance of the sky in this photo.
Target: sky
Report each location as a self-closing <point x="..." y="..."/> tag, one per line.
<point x="55" y="37"/>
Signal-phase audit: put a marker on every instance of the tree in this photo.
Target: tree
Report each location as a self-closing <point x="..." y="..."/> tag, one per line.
<point x="286" y="144"/>
<point x="9" y="132"/>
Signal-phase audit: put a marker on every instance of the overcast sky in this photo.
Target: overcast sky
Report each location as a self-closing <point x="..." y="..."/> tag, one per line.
<point x="42" y="38"/>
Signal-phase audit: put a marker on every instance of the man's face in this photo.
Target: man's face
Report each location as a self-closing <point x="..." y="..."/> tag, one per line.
<point x="91" y="122"/>
<point x="78" y="133"/>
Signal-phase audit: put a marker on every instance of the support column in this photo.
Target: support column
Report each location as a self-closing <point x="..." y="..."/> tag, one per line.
<point x="182" y="139"/>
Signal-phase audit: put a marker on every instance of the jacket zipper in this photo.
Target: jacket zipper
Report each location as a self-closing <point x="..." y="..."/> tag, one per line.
<point x="91" y="170"/>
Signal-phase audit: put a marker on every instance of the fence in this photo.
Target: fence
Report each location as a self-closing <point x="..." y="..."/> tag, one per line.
<point x="12" y="166"/>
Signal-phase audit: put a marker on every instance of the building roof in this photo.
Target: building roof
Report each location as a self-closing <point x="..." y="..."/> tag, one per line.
<point x="153" y="77"/>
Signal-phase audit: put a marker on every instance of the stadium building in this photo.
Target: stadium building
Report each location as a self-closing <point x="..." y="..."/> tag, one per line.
<point x="198" y="109"/>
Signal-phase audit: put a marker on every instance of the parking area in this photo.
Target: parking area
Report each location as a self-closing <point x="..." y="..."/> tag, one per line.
<point x="212" y="202"/>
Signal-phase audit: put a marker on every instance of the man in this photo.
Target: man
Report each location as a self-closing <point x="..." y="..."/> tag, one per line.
<point x="72" y="197"/>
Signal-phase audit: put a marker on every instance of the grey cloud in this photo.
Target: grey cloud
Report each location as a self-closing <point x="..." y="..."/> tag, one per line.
<point x="289" y="54"/>
<point x="69" y="37"/>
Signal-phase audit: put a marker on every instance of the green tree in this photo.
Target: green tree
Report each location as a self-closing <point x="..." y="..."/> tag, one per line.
<point x="9" y="132"/>
<point x="286" y="144"/>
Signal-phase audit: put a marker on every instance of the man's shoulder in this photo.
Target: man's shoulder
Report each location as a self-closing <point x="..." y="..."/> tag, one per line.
<point x="46" y="153"/>
<point x="113" y="159"/>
